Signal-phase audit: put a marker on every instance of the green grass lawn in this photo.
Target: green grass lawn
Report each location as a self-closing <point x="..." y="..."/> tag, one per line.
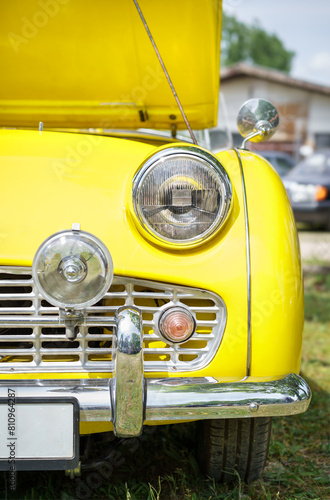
<point x="161" y="464"/>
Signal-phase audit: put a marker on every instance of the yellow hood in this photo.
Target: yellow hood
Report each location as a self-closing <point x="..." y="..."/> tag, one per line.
<point x="77" y="63"/>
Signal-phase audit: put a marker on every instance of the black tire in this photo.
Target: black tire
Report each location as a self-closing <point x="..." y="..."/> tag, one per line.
<point x="240" y="444"/>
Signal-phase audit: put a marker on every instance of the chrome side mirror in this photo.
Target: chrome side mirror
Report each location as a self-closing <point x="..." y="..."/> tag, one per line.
<point x="257" y="120"/>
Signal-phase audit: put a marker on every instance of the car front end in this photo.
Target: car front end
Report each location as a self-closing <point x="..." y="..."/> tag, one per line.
<point x="119" y="364"/>
<point x="142" y="282"/>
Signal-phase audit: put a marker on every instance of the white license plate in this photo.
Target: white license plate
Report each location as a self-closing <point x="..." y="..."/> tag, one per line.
<point x="38" y="433"/>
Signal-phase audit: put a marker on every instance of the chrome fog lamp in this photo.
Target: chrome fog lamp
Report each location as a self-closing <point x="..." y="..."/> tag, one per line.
<point x="72" y="269"/>
<point x="182" y="195"/>
<point x="176" y="324"/>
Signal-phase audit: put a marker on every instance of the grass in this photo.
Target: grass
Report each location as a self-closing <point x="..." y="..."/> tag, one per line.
<point x="299" y="450"/>
<point x="316" y="347"/>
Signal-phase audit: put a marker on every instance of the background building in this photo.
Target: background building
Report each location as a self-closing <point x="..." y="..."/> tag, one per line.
<point x="304" y="107"/>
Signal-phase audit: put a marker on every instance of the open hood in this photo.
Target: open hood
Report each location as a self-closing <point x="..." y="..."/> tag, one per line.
<point x="82" y="63"/>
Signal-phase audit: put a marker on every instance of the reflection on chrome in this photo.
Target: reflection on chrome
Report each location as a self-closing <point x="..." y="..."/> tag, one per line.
<point x="128" y="381"/>
<point x="172" y="399"/>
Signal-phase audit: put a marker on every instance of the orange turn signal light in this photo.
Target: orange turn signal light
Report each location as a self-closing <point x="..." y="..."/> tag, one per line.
<point x="177" y="324"/>
<point x="321" y="193"/>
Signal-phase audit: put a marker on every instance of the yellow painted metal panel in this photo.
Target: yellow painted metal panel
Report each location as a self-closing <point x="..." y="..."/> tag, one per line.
<point x="65" y="178"/>
<point x="277" y="286"/>
<point x="77" y="63"/>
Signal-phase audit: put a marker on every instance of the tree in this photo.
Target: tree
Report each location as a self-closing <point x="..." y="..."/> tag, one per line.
<point x="243" y="43"/>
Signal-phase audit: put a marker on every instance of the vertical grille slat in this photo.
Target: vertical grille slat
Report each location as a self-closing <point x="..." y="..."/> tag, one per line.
<point x="27" y="347"/>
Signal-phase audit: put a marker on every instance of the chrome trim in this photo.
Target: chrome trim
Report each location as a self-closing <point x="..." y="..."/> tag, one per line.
<point x="98" y="248"/>
<point x="248" y="267"/>
<point x="176" y="399"/>
<point x="248" y="138"/>
<point x="93" y="395"/>
<point x="207" y="159"/>
<point x="49" y="321"/>
<point x="128" y="382"/>
<point x="169" y="310"/>
<point x="169" y="81"/>
<point x="38" y="351"/>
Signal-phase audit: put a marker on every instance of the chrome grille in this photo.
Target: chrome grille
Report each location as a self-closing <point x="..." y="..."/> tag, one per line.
<point x="33" y="339"/>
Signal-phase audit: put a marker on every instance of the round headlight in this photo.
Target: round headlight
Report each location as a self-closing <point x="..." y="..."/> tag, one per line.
<point x="72" y="269"/>
<point x="182" y="195"/>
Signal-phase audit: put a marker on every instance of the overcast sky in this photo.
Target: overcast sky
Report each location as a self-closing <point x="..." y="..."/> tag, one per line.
<point x="302" y="25"/>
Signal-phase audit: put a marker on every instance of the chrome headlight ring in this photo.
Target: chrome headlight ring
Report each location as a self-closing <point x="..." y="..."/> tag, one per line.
<point x="72" y="269"/>
<point x="182" y="195"/>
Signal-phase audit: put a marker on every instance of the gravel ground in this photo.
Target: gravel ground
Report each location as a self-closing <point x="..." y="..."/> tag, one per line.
<point x="315" y="245"/>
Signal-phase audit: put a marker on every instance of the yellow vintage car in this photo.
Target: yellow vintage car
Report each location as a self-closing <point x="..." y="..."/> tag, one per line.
<point x="143" y="279"/>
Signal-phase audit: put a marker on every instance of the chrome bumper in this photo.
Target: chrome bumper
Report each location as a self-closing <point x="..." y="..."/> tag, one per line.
<point x="129" y="400"/>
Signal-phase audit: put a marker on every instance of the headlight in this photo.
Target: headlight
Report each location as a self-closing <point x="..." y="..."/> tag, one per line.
<point x="182" y="195"/>
<point x="72" y="269"/>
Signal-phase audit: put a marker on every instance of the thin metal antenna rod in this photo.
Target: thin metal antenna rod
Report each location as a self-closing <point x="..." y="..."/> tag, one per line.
<point x="166" y="73"/>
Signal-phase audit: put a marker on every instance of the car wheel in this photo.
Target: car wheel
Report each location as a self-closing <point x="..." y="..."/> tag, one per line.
<point x="229" y="445"/>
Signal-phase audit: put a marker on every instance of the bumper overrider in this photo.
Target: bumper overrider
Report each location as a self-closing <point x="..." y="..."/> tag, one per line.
<point x="129" y="399"/>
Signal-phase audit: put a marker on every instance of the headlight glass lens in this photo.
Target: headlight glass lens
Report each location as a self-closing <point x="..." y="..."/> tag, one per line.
<point x="72" y="269"/>
<point x="182" y="195"/>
